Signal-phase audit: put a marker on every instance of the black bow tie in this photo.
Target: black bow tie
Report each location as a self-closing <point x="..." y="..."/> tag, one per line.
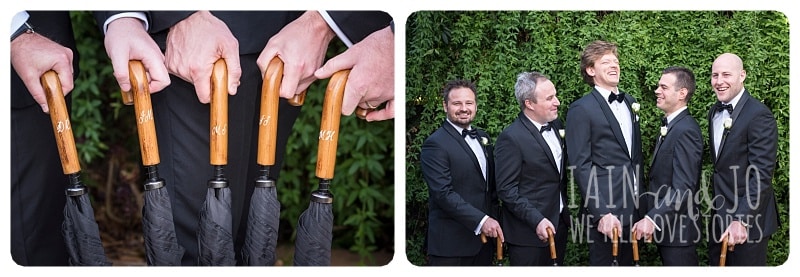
<point x="663" y="121"/>
<point x="619" y="97"/>
<point x="473" y="133"/>
<point x="721" y="107"/>
<point x="544" y="128"/>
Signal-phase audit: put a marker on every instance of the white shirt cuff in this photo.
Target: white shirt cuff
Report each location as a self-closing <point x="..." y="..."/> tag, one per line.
<point x="478" y="230"/>
<point x="140" y="15"/>
<point x="654" y="222"/>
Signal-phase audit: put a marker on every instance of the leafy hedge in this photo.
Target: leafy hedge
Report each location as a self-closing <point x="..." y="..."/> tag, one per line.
<point x="492" y="47"/>
<point x="363" y="186"/>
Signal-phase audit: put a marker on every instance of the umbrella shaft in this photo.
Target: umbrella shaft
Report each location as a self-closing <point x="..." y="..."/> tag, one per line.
<point x="322" y="194"/>
<point x="263" y="180"/>
<point x="219" y="180"/>
<point x="75" y="187"/>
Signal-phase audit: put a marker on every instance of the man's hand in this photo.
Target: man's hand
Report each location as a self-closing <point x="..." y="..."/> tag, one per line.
<point x="32" y="55"/>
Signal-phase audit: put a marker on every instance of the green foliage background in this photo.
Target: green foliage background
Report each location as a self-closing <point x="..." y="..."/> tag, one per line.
<point x="363" y="185"/>
<point x="492" y="47"/>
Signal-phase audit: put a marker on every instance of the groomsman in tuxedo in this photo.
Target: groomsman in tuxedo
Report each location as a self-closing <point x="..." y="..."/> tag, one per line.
<point x="458" y="167"/>
<point x="672" y="216"/>
<point x="605" y="155"/>
<point x="743" y="137"/>
<point x="529" y="157"/>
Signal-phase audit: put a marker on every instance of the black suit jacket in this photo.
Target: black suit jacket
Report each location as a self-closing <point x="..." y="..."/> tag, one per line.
<point x="357" y="25"/>
<point x="743" y="170"/>
<point x="459" y="196"/>
<point x="528" y="182"/>
<point x="597" y="153"/>
<point x="674" y="182"/>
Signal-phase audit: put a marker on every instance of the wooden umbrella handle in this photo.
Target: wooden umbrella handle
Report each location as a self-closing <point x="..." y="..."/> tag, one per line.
<point x="483" y="238"/>
<point x="268" y="119"/>
<point x="219" y="113"/>
<point x="499" y="249"/>
<point x="551" y="239"/>
<point x="635" y="246"/>
<point x="62" y="128"/>
<point x="298" y="99"/>
<point x="140" y="90"/>
<point x="723" y="253"/>
<point x="329" y="126"/>
<point x="614" y="242"/>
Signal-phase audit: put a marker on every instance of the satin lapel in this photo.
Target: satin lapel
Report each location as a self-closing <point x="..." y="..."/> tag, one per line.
<point x="538" y="138"/>
<point x="635" y="140"/>
<point x="460" y="140"/>
<point x="612" y="120"/>
<point x="736" y="111"/>
<point x="710" y="121"/>
<point x="671" y="124"/>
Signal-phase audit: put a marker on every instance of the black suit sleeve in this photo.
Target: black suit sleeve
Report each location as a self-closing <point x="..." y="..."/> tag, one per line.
<point x="357" y="25"/>
<point x="437" y="170"/>
<point x="762" y="143"/>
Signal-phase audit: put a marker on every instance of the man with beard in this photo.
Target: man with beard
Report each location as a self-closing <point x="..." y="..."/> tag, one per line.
<point x="458" y="167"/>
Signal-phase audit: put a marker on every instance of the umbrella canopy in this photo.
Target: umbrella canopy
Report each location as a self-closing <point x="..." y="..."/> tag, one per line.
<point x="160" y="243"/>
<point x="315" y="226"/>
<point x="261" y="237"/>
<point x="215" y="233"/>
<point x="80" y="230"/>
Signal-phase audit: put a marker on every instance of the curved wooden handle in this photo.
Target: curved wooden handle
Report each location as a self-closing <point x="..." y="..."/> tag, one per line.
<point x="329" y="126"/>
<point x="298" y="99"/>
<point x="219" y="113"/>
<point x="140" y="90"/>
<point x="362" y="113"/>
<point x="723" y="253"/>
<point x="483" y="238"/>
<point x="268" y="119"/>
<point x="635" y="246"/>
<point x="551" y="239"/>
<point x="62" y="128"/>
<point x="499" y="249"/>
<point x="614" y="242"/>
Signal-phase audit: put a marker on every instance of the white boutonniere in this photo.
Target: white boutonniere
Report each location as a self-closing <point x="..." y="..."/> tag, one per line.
<point x="727" y="123"/>
<point x="635" y="108"/>
<point x="663" y="131"/>
<point x="484" y="141"/>
<point x="561" y="133"/>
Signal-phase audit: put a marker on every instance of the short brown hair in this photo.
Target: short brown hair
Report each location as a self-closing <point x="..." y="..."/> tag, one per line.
<point x="593" y="52"/>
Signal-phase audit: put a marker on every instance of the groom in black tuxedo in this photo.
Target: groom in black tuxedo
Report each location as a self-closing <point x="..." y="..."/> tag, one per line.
<point x="529" y="155"/>
<point x="743" y="137"/>
<point x="605" y="155"/>
<point x="672" y="215"/>
<point x="458" y="167"/>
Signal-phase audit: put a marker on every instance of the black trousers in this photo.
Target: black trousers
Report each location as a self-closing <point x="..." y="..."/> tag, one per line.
<point x="483" y="258"/>
<point x="601" y="248"/>
<point x="678" y="255"/>
<point x="751" y="253"/>
<point x="37" y="190"/>
<point x="521" y="255"/>
<point x="182" y="126"/>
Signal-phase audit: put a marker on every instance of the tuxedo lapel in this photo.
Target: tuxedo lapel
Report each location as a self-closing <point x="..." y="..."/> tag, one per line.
<point x="463" y="143"/>
<point x="671" y="124"/>
<point x="612" y="120"/>
<point x="537" y="136"/>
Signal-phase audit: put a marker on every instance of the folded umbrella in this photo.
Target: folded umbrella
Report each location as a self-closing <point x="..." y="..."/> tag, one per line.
<point x="215" y="233"/>
<point x="315" y="225"/>
<point x="263" y="219"/>
<point x="80" y="230"/>
<point x="160" y="242"/>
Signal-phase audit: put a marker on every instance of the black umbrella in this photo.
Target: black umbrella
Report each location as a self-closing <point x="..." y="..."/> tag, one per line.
<point x="215" y="233"/>
<point x="315" y="226"/>
<point x="261" y="238"/>
<point x="80" y="230"/>
<point x="160" y="243"/>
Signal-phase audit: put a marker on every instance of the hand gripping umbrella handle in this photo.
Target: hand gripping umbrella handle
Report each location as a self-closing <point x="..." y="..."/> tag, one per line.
<point x="635" y="245"/>
<point x="329" y="126"/>
<point x="614" y="242"/>
<point x="551" y="239"/>
<point x="219" y="113"/>
<point x="62" y="128"/>
<point x="268" y="119"/>
<point x="140" y="91"/>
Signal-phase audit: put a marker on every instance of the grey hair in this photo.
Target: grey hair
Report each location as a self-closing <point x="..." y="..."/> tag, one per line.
<point x="525" y="89"/>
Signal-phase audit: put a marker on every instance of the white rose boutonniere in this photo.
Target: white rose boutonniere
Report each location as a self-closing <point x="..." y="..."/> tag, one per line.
<point x="484" y="141"/>
<point x="727" y="123"/>
<point x="635" y="107"/>
<point x="663" y="131"/>
<point x="561" y="133"/>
